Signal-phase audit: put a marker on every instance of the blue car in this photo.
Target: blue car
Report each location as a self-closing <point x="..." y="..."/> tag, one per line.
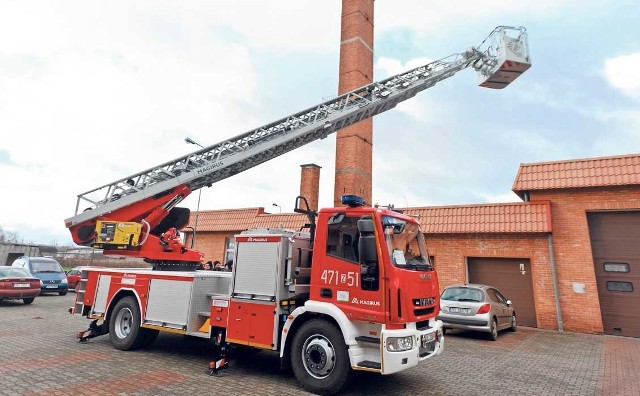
<point x="49" y="271"/>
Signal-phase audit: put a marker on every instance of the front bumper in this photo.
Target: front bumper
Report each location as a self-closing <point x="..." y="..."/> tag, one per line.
<point x="54" y="288"/>
<point x="393" y="362"/>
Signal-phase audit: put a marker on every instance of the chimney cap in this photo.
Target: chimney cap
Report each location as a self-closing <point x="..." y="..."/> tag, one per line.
<point x="310" y="166"/>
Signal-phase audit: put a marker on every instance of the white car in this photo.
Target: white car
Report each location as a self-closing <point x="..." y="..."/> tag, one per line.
<point x="476" y="307"/>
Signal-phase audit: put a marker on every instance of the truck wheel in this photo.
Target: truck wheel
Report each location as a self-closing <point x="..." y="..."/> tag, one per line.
<point x="124" y="325"/>
<point x="319" y="357"/>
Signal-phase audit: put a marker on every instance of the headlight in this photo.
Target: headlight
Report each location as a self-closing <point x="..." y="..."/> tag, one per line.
<point x="398" y="344"/>
<point x="64" y="281"/>
<point x="41" y="282"/>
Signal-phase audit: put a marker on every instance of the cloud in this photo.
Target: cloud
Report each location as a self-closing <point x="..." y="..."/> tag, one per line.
<point x="621" y="72"/>
<point x="91" y="92"/>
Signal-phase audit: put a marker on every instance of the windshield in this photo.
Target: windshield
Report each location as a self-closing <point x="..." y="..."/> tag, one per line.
<point x="462" y="294"/>
<point x="45" y="266"/>
<point x="405" y="244"/>
<point x="14" y="272"/>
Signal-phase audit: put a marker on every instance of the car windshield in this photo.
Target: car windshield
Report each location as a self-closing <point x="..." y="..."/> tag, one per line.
<point x="405" y="244"/>
<point x="463" y="294"/>
<point x="45" y="266"/>
<point x="14" y="272"/>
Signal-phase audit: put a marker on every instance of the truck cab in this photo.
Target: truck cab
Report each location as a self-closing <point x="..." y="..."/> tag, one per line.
<point x="373" y="283"/>
<point x="380" y="273"/>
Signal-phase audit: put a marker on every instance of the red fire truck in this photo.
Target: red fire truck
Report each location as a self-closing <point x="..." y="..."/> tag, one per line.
<point x="354" y="291"/>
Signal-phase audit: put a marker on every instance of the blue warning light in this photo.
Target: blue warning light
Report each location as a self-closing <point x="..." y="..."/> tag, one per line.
<point x="352" y="200"/>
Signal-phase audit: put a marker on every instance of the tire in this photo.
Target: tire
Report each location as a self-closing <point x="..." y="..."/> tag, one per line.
<point x="514" y="324"/>
<point x="319" y="357"/>
<point x="493" y="334"/>
<point x="63" y="293"/>
<point x="124" y="325"/>
<point x="444" y="330"/>
<point x="28" y="301"/>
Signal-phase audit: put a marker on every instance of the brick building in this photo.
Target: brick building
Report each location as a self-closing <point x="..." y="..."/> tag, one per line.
<point x="568" y="255"/>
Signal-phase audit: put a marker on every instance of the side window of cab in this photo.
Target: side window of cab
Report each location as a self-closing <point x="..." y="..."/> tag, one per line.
<point x="342" y="237"/>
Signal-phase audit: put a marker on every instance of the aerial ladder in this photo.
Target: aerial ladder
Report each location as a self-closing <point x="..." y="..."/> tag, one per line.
<point x="138" y="215"/>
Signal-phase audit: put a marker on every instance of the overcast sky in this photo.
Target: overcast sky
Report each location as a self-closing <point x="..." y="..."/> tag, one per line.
<point x="91" y="92"/>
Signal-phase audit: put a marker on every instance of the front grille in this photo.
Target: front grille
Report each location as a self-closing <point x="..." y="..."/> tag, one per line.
<point x="423" y="311"/>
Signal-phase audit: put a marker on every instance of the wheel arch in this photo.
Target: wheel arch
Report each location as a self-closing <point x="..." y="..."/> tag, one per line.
<point x="122" y="293"/>
<point x="314" y="310"/>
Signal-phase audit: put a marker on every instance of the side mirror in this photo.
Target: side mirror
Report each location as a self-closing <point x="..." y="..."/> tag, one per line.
<point x="509" y="303"/>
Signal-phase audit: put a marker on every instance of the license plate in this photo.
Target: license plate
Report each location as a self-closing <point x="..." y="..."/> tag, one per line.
<point x="51" y="286"/>
<point x="20" y="285"/>
<point x="459" y="310"/>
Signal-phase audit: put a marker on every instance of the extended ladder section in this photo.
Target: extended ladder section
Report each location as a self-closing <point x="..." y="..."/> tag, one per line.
<point x="219" y="161"/>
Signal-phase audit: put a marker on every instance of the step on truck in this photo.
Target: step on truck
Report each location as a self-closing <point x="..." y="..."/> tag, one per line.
<point x="353" y="290"/>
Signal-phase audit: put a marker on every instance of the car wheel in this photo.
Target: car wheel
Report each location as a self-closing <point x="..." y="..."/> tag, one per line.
<point x="319" y="357"/>
<point x="514" y="323"/>
<point x="493" y="335"/>
<point x="28" y="301"/>
<point x="63" y="293"/>
<point x="444" y="330"/>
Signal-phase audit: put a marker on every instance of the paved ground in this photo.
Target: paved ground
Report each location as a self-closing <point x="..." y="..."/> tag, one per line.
<point x="39" y="355"/>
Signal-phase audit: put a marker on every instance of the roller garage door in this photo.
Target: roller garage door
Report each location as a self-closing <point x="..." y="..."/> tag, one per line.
<point x="615" y="244"/>
<point x="505" y="275"/>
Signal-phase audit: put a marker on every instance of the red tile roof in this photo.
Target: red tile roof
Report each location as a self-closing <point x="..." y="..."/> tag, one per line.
<point x="290" y="221"/>
<point x="242" y="219"/>
<point x="525" y="217"/>
<point x="225" y="219"/>
<point x="579" y="173"/>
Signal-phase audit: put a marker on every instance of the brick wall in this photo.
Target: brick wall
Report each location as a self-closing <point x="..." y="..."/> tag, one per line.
<point x="212" y="244"/>
<point x="450" y="253"/>
<point x="574" y="261"/>
<point x="355" y="143"/>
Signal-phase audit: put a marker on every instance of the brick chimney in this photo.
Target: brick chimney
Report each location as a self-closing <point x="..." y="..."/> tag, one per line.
<point x="354" y="144"/>
<point x="310" y="184"/>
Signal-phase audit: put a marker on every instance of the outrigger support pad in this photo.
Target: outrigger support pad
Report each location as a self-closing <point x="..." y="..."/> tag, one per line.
<point x="94" y="330"/>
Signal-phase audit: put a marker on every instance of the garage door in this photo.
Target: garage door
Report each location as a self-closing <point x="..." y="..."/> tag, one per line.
<point x="615" y="244"/>
<point x="505" y="274"/>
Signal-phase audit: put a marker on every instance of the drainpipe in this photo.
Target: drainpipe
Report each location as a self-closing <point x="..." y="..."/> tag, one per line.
<point x="556" y="293"/>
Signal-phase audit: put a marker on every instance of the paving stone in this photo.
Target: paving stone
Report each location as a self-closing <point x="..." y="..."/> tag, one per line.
<point x="40" y="355"/>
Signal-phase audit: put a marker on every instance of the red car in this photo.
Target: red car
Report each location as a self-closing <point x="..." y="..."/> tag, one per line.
<point x="17" y="284"/>
<point x="73" y="278"/>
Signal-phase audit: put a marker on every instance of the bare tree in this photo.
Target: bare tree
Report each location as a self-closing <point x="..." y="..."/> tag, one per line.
<point x="10" y="236"/>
